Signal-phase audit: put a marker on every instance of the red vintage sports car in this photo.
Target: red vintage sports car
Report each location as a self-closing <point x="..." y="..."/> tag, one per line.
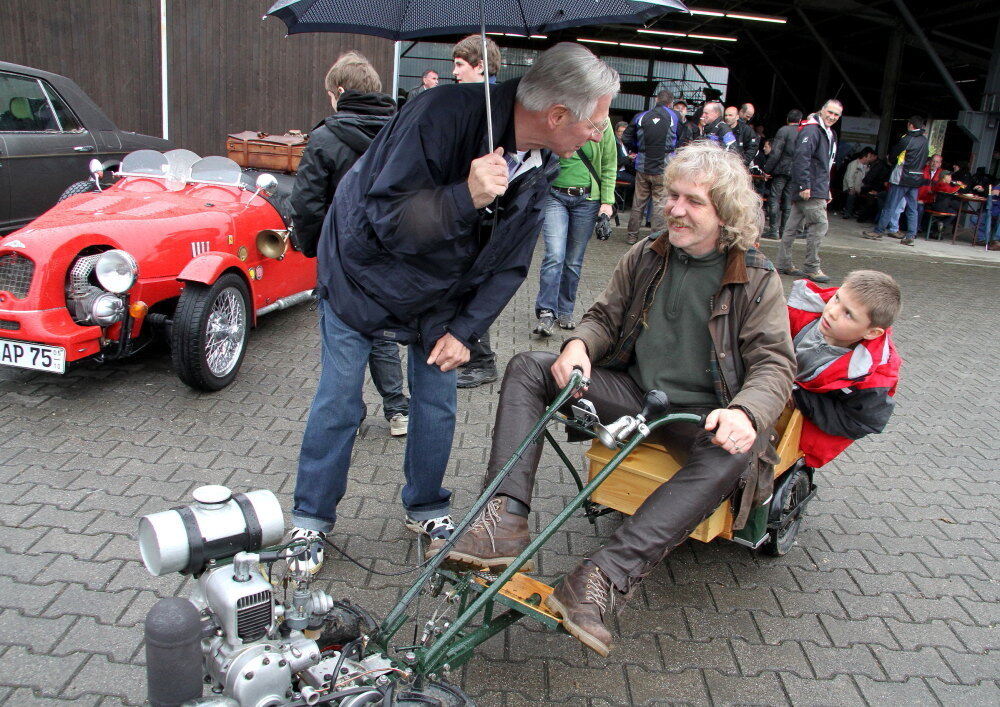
<point x="192" y="248"/>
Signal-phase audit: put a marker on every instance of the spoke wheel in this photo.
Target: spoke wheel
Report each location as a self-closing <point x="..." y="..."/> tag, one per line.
<point x="209" y="333"/>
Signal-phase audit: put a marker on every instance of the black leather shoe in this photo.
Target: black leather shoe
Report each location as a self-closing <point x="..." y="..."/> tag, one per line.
<point x="473" y="377"/>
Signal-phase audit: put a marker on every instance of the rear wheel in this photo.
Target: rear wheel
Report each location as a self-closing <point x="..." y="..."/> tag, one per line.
<point x="209" y="332"/>
<point x="790" y="493"/>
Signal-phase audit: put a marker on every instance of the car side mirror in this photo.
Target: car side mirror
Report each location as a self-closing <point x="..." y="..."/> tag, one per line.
<point x="267" y="183"/>
<point x="96" y="172"/>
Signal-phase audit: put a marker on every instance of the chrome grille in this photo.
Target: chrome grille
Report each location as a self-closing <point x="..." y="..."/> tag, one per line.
<point x="15" y="274"/>
<point x="253" y="615"/>
<point x="9" y="325"/>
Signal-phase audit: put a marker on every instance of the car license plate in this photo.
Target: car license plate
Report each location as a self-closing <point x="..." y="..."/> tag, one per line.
<point x="36" y="356"/>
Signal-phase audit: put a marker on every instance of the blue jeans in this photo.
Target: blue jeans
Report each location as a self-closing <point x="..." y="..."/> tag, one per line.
<point x="325" y="456"/>
<point x="899" y="199"/>
<point x="569" y="223"/>
<point x="387" y="374"/>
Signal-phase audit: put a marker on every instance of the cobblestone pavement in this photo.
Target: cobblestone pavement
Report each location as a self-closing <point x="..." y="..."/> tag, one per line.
<point x="890" y="595"/>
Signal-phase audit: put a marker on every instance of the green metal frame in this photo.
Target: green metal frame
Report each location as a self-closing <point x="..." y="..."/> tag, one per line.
<point x="455" y="644"/>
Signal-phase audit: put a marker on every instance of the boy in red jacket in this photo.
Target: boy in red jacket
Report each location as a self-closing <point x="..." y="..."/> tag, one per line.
<point x="848" y="365"/>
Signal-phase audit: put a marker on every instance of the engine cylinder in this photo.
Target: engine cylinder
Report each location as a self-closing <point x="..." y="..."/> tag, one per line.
<point x="173" y="653"/>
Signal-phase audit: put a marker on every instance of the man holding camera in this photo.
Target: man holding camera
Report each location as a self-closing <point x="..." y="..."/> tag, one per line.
<point x="583" y="192"/>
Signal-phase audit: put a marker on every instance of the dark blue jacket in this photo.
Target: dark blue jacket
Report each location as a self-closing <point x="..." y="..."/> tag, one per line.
<point x="813" y="158"/>
<point x="652" y="135"/>
<point x="404" y="255"/>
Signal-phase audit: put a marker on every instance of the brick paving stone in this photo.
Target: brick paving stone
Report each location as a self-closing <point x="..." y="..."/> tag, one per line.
<point x="46" y="673"/>
<point x="26" y="697"/>
<point x="892" y="568"/>
<point x="911" y="692"/>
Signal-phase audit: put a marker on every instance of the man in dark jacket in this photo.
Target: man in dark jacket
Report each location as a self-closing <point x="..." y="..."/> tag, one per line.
<point x="360" y="111"/>
<point x="779" y="168"/>
<point x="650" y="329"/>
<point x="715" y="128"/>
<point x="652" y="138"/>
<point x="429" y="236"/>
<point x="746" y="137"/>
<point x="905" y="181"/>
<point x="689" y="129"/>
<point x="815" y="149"/>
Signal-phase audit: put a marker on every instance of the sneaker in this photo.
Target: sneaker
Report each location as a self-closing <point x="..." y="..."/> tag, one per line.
<point x="494" y="539"/>
<point x="439" y="528"/>
<point x="770" y="236"/>
<point x="584" y="600"/>
<point x="906" y="241"/>
<point x="566" y="322"/>
<point x="312" y="561"/>
<point x="546" y="320"/>
<point x="398" y="424"/>
<point x="474" y="377"/>
<point x="818" y="276"/>
<point x="793" y="271"/>
<point x="871" y="235"/>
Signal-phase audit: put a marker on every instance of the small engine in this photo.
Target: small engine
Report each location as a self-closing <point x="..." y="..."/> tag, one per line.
<point x="231" y="634"/>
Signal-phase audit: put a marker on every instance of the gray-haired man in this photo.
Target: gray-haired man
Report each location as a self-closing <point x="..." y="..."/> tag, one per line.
<point x="428" y="238"/>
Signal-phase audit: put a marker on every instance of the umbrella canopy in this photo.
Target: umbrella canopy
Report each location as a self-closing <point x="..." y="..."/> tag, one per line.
<point x="413" y="19"/>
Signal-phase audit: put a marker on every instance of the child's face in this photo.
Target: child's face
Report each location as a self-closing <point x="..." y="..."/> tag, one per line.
<point x="946" y="179"/>
<point x="845" y="321"/>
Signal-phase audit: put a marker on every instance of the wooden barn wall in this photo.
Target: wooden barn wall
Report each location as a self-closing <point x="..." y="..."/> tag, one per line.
<point x="228" y="70"/>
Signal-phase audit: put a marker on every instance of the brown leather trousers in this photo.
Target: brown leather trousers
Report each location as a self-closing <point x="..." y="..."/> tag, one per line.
<point x="670" y="513"/>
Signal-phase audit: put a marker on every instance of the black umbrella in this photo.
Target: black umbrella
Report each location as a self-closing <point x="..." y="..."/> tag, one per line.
<point x="413" y="19"/>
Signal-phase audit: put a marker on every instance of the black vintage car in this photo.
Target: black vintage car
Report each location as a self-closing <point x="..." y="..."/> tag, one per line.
<point x="49" y="131"/>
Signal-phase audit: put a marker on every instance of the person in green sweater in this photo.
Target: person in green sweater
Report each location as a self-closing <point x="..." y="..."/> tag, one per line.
<point x="584" y="189"/>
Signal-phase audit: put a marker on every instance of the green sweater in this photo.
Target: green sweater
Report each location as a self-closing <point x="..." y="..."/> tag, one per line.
<point x="673" y="352"/>
<point x="604" y="156"/>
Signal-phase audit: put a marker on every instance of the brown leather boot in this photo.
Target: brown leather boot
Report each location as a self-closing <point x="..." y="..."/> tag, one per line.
<point x="583" y="599"/>
<point x="495" y="538"/>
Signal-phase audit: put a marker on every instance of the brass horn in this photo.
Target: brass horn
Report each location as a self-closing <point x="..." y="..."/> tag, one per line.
<point x="273" y="244"/>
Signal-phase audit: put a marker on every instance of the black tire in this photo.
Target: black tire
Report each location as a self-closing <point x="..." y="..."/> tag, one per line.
<point x="81" y="187"/>
<point x="433" y="693"/>
<point x="790" y="492"/>
<point x="193" y="345"/>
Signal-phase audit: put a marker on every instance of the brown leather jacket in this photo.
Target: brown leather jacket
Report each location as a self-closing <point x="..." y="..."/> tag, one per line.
<point x="753" y="362"/>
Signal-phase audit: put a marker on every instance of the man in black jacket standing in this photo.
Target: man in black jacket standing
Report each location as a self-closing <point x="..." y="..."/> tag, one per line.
<point x="746" y="137"/>
<point x="904" y="182"/>
<point x="815" y="149"/>
<point x="652" y="138"/>
<point x="360" y="111"/>
<point x="429" y="236"/>
<point x="779" y="168"/>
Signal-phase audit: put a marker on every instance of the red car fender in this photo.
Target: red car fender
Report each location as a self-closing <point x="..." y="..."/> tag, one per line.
<point x="208" y="267"/>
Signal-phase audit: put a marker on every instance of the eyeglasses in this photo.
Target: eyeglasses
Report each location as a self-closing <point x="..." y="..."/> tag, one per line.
<point x="599" y="129"/>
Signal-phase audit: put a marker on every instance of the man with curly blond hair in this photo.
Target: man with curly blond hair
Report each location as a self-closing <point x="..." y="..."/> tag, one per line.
<point x="695" y="311"/>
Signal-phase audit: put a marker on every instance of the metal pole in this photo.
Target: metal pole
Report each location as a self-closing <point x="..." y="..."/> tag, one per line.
<point x="486" y="74"/>
<point x="395" y="70"/>
<point x="922" y="38"/>
<point x="890" y="77"/>
<point x="833" y="60"/>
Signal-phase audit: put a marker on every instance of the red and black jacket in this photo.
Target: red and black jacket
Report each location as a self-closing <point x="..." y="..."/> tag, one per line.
<point x="849" y="398"/>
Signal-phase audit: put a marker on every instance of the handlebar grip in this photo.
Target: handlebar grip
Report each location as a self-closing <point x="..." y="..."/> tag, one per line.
<point x="654" y="404"/>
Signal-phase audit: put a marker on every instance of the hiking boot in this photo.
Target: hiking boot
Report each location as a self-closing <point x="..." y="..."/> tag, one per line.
<point x="566" y="322"/>
<point x="818" y="276"/>
<point x="871" y="235"/>
<point x="399" y="424"/>
<point x="473" y="377"/>
<point x="584" y="599"/>
<point x="439" y="528"/>
<point x="793" y="271"/>
<point x="546" y="321"/>
<point x="895" y="234"/>
<point x="312" y="560"/>
<point x="632" y="239"/>
<point x="906" y="241"/>
<point x="494" y="539"/>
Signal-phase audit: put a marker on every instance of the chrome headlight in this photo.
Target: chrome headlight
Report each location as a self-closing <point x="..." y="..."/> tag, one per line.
<point x="117" y="271"/>
<point x="106" y="309"/>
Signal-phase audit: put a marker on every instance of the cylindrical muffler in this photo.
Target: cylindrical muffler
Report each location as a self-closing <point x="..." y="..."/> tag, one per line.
<point x="174" y="672"/>
<point x="218" y="524"/>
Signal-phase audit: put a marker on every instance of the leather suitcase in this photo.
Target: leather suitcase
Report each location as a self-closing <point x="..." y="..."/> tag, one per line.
<point x="259" y="150"/>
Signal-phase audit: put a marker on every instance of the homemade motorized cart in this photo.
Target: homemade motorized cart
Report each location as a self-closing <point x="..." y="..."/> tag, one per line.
<point x="250" y="649"/>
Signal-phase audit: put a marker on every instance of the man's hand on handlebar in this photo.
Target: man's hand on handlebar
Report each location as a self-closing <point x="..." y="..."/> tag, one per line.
<point x="733" y="430"/>
<point x="574" y="355"/>
<point x="448" y="353"/>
